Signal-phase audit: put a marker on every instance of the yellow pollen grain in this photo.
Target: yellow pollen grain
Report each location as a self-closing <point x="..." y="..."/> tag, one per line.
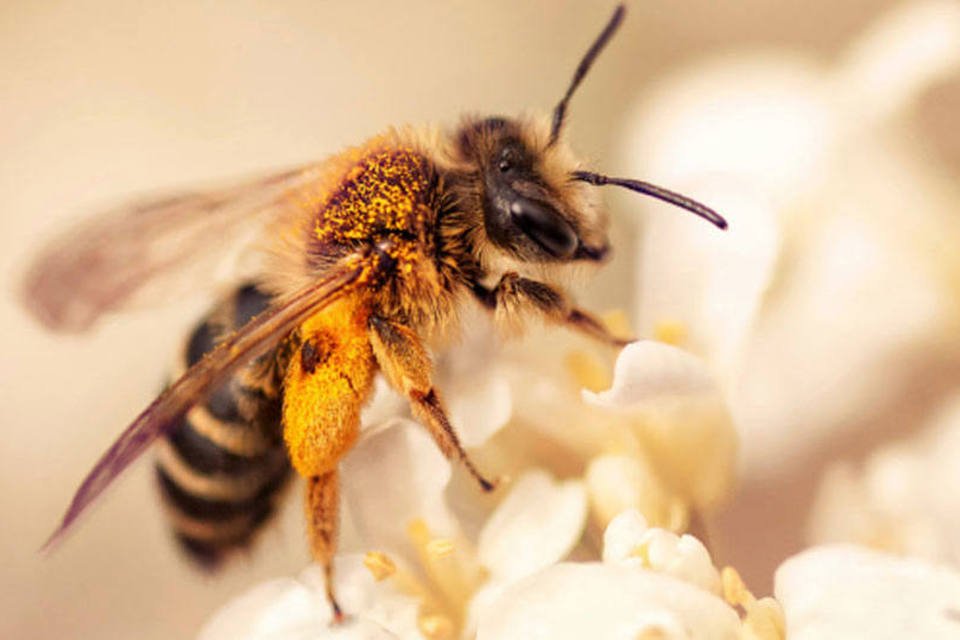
<point x="436" y="626"/>
<point x="383" y="191"/>
<point x="419" y="532"/>
<point x="440" y="547"/>
<point x="671" y="332"/>
<point x="735" y="591"/>
<point x="616" y="322"/>
<point x="652" y="633"/>
<point x="764" y="621"/>
<point x="379" y="564"/>
<point x="642" y="551"/>
<point x="588" y="371"/>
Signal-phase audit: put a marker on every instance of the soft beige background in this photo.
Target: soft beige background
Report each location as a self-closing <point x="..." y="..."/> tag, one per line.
<point x="102" y="99"/>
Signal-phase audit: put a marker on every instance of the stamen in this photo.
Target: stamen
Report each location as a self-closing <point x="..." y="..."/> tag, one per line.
<point x="440" y="547"/>
<point x="451" y="575"/>
<point x="379" y="564"/>
<point x="588" y="370"/>
<point x="672" y="332"/>
<point x="735" y="591"/>
<point x="642" y="551"/>
<point x="436" y="627"/>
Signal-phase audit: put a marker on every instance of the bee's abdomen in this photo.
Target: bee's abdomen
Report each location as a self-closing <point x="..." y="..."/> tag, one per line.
<point x="221" y="470"/>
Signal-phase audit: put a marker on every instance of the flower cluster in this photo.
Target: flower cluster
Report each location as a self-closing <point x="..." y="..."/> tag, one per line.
<point x="814" y="324"/>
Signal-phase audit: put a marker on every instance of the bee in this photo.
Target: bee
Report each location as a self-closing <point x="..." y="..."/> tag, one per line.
<point x="367" y="258"/>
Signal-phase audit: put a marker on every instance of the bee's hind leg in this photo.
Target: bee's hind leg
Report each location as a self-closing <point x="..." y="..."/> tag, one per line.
<point x="406" y="364"/>
<point x="322" y="507"/>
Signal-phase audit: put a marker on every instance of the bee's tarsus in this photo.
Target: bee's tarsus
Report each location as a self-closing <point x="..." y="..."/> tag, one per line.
<point x="338" y="616"/>
<point x="487" y="485"/>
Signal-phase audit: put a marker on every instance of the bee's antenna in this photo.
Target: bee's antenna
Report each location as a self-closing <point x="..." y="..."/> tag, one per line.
<point x="660" y="193"/>
<point x="585" y="63"/>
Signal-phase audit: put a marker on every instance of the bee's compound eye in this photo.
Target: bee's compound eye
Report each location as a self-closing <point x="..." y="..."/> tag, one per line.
<point x="509" y="158"/>
<point x="545" y="227"/>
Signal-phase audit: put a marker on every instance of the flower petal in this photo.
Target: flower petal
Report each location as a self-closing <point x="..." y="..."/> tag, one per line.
<point x="394" y="476"/>
<point x="648" y="370"/>
<point x="537" y="524"/>
<point x="850" y="592"/>
<point x="629" y="541"/>
<point x="906" y="51"/>
<point x="290" y="608"/>
<point x="622" y="535"/>
<point x="480" y="411"/>
<point x="680" y="419"/>
<point x="619" y="483"/>
<point x="594" y="600"/>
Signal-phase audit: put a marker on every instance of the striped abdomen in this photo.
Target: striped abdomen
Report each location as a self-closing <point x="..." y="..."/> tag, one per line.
<point x="220" y="472"/>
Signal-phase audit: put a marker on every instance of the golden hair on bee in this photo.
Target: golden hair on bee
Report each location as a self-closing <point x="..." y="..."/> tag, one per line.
<point x="369" y="257"/>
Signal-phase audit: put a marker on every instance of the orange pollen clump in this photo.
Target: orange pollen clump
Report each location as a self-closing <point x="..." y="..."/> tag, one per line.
<point x="385" y="191"/>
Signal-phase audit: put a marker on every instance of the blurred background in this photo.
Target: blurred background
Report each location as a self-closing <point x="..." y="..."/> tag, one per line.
<point x="826" y="132"/>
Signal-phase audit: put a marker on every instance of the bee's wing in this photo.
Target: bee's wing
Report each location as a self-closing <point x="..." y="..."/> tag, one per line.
<point x="255" y="338"/>
<point x="121" y="257"/>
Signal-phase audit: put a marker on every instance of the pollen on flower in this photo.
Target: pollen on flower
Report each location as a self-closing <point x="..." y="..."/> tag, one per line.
<point x="671" y="332"/>
<point x="653" y="633"/>
<point x="440" y="547"/>
<point x="451" y="580"/>
<point x="764" y="621"/>
<point x="734" y="590"/>
<point x="379" y="564"/>
<point x="418" y="531"/>
<point x="588" y="371"/>
<point x="642" y="552"/>
<point x="436" y="627"/>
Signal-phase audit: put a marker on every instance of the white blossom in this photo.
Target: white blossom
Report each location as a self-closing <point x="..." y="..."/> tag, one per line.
<point x="840" y="592"/>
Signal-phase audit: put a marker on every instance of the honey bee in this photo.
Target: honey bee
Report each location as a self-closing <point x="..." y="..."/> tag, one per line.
<point x="367" y="258"/>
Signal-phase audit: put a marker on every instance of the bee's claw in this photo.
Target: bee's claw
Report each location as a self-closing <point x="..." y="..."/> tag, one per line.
<point x="488" y="485"/>
<point x="339" y="617"/>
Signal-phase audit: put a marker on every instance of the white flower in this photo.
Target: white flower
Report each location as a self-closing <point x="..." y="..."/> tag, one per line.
<point x="440" y="568"/>
<point x="814" y="315"/>
<point x="651" y="584"/>
<point x="628" y="540"/>
<point x="904" y="498"/>
<point x="833" y="288"/>
<point x="420" y="572"/>
<point x="843" y="592"/>
<point x="297" y="608"/>
<point x="593" y="600"/>
<point x="679" y="419"/>
<point x="520" y="537"/>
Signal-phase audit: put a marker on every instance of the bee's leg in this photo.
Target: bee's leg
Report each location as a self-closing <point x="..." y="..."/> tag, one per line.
<point x="323" y="508"/>
<point x="329" y="375"/>
<point x="406" y="364"/>
<point x="514" y="295"/>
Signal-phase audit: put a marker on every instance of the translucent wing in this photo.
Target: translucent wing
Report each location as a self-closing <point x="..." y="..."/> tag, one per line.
<point x="119" y="257"/>
<point x="255" y="338"/>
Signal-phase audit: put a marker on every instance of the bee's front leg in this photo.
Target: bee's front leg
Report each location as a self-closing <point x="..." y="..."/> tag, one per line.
<point x="406" y="365"/>
<point x="515" y="295"/>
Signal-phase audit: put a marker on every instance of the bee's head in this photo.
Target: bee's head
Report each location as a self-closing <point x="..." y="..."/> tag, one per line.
<point x="532" y="207"/>
<point x="536" y="200"/>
